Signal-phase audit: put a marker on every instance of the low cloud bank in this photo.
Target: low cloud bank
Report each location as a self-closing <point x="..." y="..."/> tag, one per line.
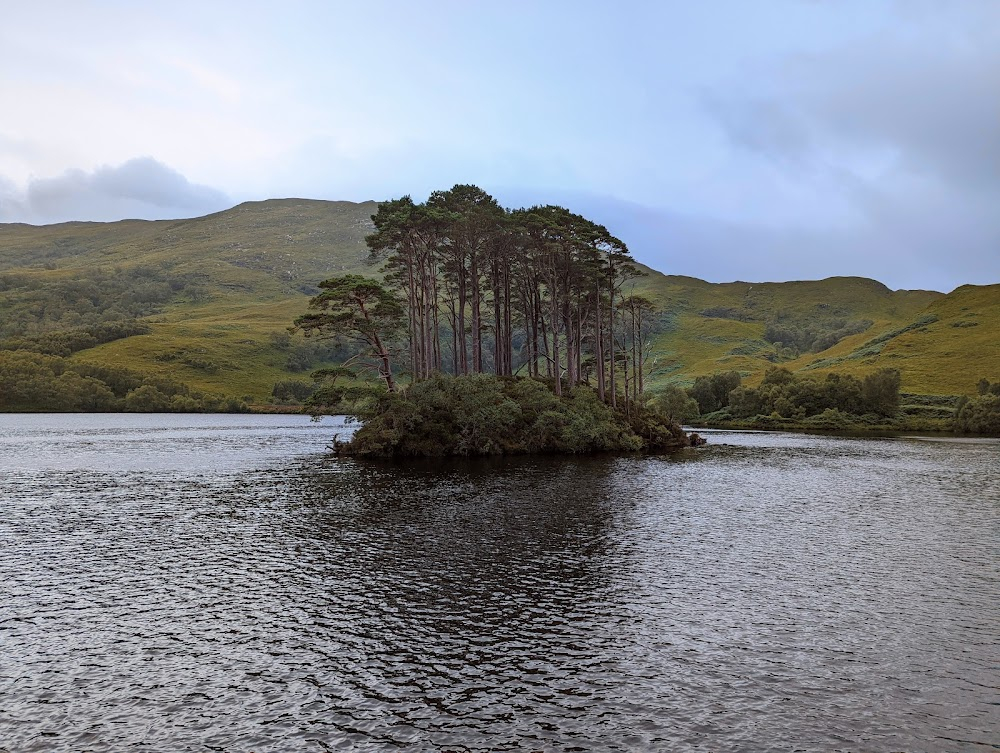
<point x="141" y="188"/>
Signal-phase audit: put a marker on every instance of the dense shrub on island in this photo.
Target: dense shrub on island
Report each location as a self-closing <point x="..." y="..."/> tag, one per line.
<point x="483" y="414"/>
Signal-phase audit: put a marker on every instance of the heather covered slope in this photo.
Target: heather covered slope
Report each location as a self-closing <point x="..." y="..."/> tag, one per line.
<point x="216" y="294"/>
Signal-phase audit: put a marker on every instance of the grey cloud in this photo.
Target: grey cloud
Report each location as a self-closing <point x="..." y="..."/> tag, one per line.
<point x="940" y="111"/>
<point x="11" y="205"/>
<point x="930" y="100"/>
<point x="767" y="127"/>
<point x="903" y="127"/>
<point x="889" y="146"/>
<point x="147" y="180"/>
<point x="141" y="188"/>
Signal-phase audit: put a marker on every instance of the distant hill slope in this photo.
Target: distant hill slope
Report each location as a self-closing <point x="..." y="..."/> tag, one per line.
<point x="242" y="276"/>
<point x="231" y="283"/>
<point x="945" y="349"/>
<point x="711" y="327"/>
<point x="290" y="240"/>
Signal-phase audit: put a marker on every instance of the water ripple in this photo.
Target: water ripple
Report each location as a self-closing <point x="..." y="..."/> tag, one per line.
<point x="218" y="583"/>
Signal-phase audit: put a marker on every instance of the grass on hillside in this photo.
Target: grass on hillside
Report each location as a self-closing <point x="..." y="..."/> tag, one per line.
<point x="720" y="327"/>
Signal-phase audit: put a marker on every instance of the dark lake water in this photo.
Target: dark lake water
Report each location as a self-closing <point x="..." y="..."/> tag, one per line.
<point x="216" y="583"/>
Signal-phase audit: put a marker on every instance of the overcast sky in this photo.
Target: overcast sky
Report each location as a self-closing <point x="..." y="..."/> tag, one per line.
<point x="766" y="140"/>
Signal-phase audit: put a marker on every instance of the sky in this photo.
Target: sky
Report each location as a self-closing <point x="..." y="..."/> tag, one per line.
<point x="726" y="140"/>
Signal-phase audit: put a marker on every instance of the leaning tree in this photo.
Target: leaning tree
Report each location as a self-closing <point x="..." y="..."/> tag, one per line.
<point x="358" y="310"/>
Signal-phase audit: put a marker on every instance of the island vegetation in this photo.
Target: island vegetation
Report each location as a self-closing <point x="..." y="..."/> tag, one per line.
<point x="526" y="310"/>
<point x="485" y="414"/>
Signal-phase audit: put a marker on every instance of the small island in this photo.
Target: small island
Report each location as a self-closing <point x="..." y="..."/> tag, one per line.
<point x="483" y="414"/>
<point x="515" y="326"/>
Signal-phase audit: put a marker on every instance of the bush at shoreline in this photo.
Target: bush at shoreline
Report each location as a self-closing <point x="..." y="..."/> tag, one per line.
<point x="488" y="415"/>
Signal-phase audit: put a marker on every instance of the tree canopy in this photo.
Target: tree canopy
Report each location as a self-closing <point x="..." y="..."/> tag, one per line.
<point x="472" y="288"/>
<point x="980" y="415"/>
<point x="360" y="310"/>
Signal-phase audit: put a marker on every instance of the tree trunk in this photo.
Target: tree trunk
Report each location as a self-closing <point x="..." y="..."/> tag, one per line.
<point x="477" y="334"/>
<point x="611" y="329"/>
<point x="463" y="352"/>
<point x="554" y="293"/>
<point x="599" y="347"/>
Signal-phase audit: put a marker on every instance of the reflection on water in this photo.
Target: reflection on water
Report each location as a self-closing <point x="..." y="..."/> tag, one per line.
<point x="218" y="583"/>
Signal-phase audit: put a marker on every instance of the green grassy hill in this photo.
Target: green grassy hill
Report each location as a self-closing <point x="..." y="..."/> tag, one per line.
<point x="238" y="278"/>
<point x="710" y="327"/>
<point x="945" y="349"/>
<point x="219" y="292"/>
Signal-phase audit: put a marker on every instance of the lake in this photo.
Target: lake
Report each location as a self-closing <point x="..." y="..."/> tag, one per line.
<point x="219" y="583"/>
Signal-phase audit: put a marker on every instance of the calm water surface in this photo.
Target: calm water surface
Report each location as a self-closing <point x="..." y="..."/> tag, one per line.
<point x="217" y="583"/>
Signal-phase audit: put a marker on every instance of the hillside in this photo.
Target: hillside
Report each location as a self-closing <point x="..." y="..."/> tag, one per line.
<point x="945" y="348"/>
<point x="217" y="294"/>
<point x="710" y="327"/>
<point x="231" y="284"/>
